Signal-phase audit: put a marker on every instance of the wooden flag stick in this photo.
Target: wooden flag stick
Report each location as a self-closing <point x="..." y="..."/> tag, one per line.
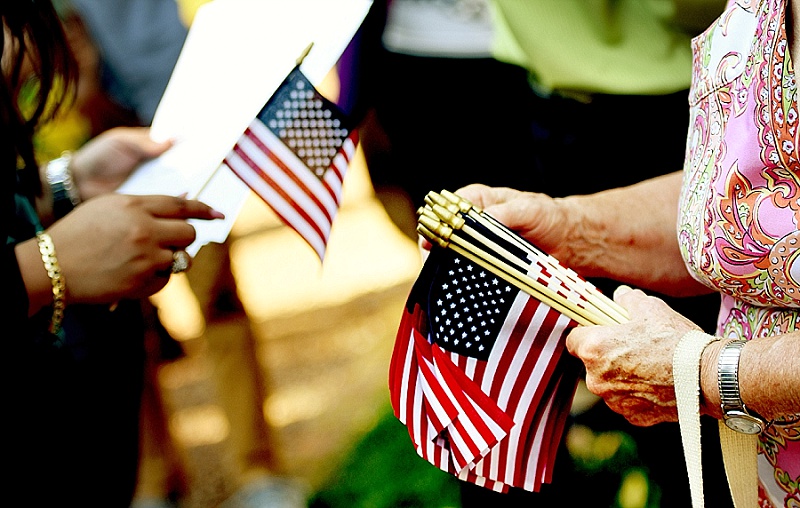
<point x="570" y="313"/>
<point x="458" y="224"/>
<point x="509" y="273"/>
<point x="571" y="278"/>
<point x="304" y="54"/>
<point x="542" y="289"/>
<point x="299" y="61"/>
<point x="589" y="291"/>
<point x="568" y="277"/>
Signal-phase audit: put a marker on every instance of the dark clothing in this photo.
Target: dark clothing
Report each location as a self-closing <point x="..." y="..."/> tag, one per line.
<point x="72" y="399"/>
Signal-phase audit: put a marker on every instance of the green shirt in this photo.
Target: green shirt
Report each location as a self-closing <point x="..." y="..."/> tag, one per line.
<point x="640" y="47"/>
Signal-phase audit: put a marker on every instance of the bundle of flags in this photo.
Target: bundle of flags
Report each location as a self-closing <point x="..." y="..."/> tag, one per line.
<point x="479" y="374"/>
<point x="294" y="155"/>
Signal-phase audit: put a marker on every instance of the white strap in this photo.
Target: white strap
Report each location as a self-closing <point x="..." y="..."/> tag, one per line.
<point x="738" y="450"/>
<point x="686" y="378"/>
<point x="739" y="453"/>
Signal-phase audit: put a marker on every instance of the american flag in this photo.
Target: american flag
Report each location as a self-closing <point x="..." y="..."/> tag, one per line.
<point x="294" y="155"/>
<point x="478" y="375"/>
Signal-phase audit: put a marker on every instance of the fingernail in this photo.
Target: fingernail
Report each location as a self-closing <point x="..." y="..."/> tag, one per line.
<point x="217" y="214"/>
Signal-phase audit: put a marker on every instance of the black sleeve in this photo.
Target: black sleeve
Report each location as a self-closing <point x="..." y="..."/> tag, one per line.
<point x="14" y="313"/>
<point x="15" y="306"/>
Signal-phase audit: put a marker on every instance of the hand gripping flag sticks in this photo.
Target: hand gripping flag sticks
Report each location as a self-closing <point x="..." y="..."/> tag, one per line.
<point x="478" y="373"/>
<point x="452" y="222"/>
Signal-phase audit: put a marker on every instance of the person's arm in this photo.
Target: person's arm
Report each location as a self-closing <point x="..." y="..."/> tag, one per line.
<point x="627" y="234"/>
<point x="112" y="247"/>
<point x="34" y="277"/>
<point x="769" y="383"/>
<point x="99" y="166"/>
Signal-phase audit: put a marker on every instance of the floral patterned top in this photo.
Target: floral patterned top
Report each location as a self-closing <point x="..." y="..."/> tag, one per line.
<point x="740" y="206"/>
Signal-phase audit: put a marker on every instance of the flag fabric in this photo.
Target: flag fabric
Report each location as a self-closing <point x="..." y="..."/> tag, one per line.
<point x="478" y="376"/>
<point x="294" y="155"/>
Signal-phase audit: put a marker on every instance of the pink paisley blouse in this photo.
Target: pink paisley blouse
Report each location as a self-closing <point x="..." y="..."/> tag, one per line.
<point x="740" y="202"/>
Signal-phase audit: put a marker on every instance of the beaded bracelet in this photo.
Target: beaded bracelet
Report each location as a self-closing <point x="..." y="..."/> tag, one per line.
<point x="48" y="252"/>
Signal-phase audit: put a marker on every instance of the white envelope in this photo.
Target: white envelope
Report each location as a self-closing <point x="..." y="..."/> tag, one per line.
<point x="236" y="54"/>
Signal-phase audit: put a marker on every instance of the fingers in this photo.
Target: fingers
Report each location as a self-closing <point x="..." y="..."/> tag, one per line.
<point x="628" y="297"/>
<point x="148" y="148"/>
<point x="174" y="234"/>
<point x="621" y="291"/>
<point x="166" y="260"/>
<point x="474" y="193"/>
<point x="630" y="365"/>
<point x="574" y="341"/>
<point x="638" y="410"/>
<point x="176" y="207"/>
<point x="640" y="305"/>
<point x="637" y="302"/>
<point x="138" y="140"/>
<point x="483" y="196"/>
<point x="584" y="341"/>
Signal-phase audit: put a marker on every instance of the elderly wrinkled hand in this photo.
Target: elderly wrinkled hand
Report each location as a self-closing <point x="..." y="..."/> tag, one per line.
<point x="630" y="365"/>
<point x="540" y="219"/>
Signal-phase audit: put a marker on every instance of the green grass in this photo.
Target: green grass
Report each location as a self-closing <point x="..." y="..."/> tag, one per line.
<point x="384" y="471"/>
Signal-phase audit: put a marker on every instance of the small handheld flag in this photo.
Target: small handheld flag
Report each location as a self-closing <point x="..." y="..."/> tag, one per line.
<point x="478" y="373"/>
<point x="294" y="155"/>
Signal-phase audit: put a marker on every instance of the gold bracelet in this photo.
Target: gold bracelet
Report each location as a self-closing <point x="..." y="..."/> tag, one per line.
<point x="48" y="252"/>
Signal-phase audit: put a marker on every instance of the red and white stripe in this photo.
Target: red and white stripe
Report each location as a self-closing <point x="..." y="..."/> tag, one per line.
<point x="521" y="380"/>
<point x="303" y="201"/>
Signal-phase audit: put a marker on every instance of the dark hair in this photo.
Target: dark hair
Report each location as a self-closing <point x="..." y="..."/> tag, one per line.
<point x="35" y="52"/>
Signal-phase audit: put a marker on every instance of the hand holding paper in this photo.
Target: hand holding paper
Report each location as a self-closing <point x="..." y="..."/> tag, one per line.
<point x="236" y="55"/>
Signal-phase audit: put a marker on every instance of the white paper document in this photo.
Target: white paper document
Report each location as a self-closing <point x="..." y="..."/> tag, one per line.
<point x="236" y="55"/>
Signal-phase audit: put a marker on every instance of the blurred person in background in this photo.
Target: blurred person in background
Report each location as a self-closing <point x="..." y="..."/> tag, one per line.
<point x="137" y="43"/>
<point x="439" y="108"/>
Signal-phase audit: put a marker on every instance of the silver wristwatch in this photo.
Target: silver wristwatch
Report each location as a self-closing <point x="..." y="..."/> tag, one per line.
<point x="734" y="412"/>
<point x="59" y="177"/>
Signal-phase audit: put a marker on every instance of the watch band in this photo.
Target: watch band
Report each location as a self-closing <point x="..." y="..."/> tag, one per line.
<point x="734" y="412"/>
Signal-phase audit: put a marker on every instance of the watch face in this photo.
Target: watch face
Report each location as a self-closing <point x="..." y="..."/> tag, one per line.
<point x="744" y="423"/>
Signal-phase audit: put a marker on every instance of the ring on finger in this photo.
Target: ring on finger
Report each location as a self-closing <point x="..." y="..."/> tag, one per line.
<point x="180" y="261"/>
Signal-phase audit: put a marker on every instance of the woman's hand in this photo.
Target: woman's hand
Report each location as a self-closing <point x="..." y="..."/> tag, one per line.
<point x="105" y="162"/>
<point x="120" y="246"/>
<point x="626" y="234"/>
<point x="540" y="219"/>
<point x="630" y="365"/>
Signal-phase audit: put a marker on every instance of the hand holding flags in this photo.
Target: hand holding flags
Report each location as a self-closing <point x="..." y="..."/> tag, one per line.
<point x="452" y="222"/>
<point x="478" y="373"/>
<point x="294" y="155"/>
